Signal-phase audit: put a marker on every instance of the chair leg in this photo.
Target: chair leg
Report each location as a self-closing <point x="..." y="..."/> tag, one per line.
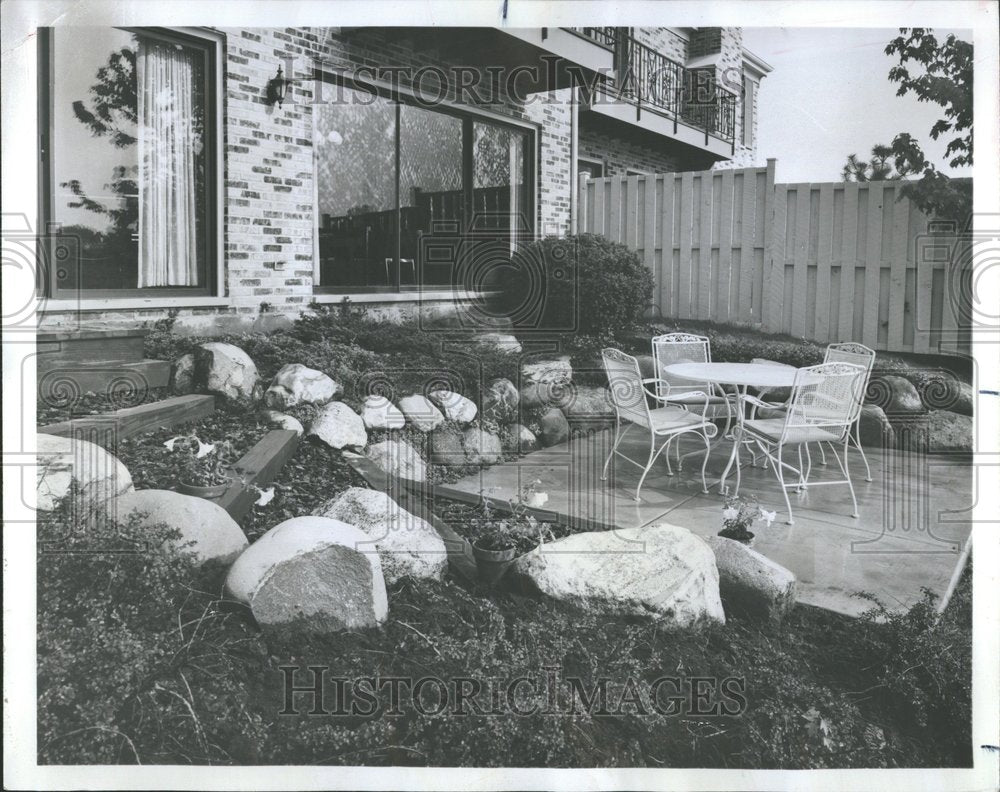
<point x="666" y="457"/>
<point x="614" y="447"/>
<point x="822" y="454"/>
<point x="654" y="452"/>
<point x="704" y="462"/>
<point x="855" y="435"/>
<point x="779" y="470"/>
<point x="802" y="467"/>
<point x="847" y="476"/>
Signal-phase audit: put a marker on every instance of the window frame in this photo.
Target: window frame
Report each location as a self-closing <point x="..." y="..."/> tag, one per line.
<point x="750" y="87"/>
<point x="213" y="45"/>
<point x="399" y="96"/>
<point x="592" y="161"/>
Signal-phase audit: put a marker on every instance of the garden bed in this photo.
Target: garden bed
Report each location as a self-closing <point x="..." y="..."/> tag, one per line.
<point x="54" y="410"/>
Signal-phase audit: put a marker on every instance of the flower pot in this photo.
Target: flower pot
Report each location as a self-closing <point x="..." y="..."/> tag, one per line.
<point x="493" y="564"/>
<point x="746" y="537"/>
<point x="209" y="491"/>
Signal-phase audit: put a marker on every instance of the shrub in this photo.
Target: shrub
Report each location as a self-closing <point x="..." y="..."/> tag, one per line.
<point x="587" y="284"/>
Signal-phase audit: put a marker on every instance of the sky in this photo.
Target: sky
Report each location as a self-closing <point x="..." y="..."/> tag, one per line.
<point x="830" y="96"/>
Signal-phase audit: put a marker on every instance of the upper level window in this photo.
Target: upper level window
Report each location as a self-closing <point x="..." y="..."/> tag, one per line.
<point x="129" y="159"/>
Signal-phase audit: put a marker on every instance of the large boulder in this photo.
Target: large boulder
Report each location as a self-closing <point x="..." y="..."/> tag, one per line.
<point x="558" y="370"/>
<point x="226" y="370"/>
<point x="339" y="426"/>
<point x="398" y="458"/>
<point x="543" y="395"/>
<point x="895" y="395"/>
<point x="875" y="429"/>
<point x="454" y="406"/>
<point x="946" y="392"/>
<point x="296" y="384"/>
<point x="481" y="447"/>
<point x="500" y="401"/>
<point x="446" y="446"/>
<point x="663" y="571"/>
<point x="205" y="528"/>
<point x="378" y="412"/>
<point x="280" y="420"/>
<point x="589" y="403"/>
<point x="948" y="431"/>
<point x="553" y="427"/>
<point x="752" y="584"/>
<point x="66" y="464"/>
<point x="182" y="374"/>
<point x="518" y="439"/>
<point x="421" y="412"/>
<point x="501" y="341"/>
<point x="406" y="544"/>
<point x="311" y="572"/>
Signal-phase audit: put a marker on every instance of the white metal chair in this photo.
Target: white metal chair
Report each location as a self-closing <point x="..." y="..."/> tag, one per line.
<point x="844" y="352"/>
<point x="823" y="407"/>
<point x="630" y="395"/>
<point x="672" y="348"/>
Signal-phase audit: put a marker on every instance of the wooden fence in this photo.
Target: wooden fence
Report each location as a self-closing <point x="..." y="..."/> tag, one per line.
<point x="828" y="262"/>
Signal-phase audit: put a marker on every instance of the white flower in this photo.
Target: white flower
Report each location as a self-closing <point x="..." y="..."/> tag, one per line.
<point x="171" y="442"/>
<point x="266" y="496"/>
<point x="768" y="517"/>
<point x="204" y="449"/>
<point x="730" y="513"/>
<point x="537" y="499"/>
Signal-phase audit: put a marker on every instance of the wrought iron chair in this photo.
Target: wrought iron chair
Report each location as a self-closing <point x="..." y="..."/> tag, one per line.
<point x="630" y="395"/>
<point x="824" y="405"/>
<point x="844" y="352"/>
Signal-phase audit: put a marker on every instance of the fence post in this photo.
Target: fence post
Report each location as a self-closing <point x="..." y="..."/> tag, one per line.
<point x="768" y="302"/>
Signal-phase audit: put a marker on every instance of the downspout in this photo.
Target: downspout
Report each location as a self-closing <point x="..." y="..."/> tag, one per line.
<point x="574" y="176"/>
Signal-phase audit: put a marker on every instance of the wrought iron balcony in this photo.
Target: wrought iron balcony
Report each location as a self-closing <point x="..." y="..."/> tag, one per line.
<point x="649" y="79"/>
<point x="605" y="36"/>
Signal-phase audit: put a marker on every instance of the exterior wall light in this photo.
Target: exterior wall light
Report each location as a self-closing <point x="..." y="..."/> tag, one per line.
<point x="277" y="89"/>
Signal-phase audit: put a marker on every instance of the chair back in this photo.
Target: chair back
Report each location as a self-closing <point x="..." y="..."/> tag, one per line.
<point x="825" y="396"/>
<point x="680" y="348"/>
<point x="858" y="354"/>
<point x="625" y="384"/>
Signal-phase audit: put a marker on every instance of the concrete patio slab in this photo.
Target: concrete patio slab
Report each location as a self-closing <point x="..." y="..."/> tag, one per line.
<point x="912" y="530"/>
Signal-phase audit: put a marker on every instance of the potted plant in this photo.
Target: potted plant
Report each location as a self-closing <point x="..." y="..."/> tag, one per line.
<point x="739" y="515"/>
<point x="205" y="468"/>
<point x="499" y="540"/>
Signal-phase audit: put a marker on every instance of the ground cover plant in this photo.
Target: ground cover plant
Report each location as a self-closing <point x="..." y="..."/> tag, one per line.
<point x="139" y="661"/>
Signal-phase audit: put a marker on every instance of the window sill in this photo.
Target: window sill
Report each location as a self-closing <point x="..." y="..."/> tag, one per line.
<point x="398" y="297"/>
<point x="129" y="303"/>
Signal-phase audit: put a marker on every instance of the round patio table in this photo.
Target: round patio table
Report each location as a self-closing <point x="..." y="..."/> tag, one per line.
<point x="741" y="376"/>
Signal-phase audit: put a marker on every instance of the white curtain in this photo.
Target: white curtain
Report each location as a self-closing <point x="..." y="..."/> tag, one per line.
<point x="168" y="254"/>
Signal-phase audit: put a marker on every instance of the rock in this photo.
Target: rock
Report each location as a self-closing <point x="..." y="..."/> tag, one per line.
<point x="542" y="396"/>
<point x="421" y="412"/>
<point x="98" y="475"/>
<point x="875" y="429"/>
<point x="297" y="384"/>
<point x="554" y="428"/>
<point x="663" y="571"/>
<point x="311" y="572"/>
<point x="279" y="420"/>
<point x="226" y="370"/>
<point x="481" y="447"/>
<point x="446" y="446"/>
<point x="752" y="584"/>
<point x="339" y="426"/>
<point x="518" y="439"/>
<point x="406" y="544"/>
<point x="965" y="400"/>
<point x="895" y="395"/>
<point x="948" y="431"/>
<point x="398" y="458"/>
<point x="182" y="375"/>
<point x="377" y="412"/>
<point x="552" y="371"/>
<point x="500" y="401"/>
<point x="502" y="341"/>
<point x="589" y="402"/>
<point x="454" y="406"/>
<point x="214" y="535"/>
<point x="945" y="392"/>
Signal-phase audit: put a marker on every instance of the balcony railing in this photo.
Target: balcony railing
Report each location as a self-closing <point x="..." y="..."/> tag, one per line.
<point x="605" y="36"/>
<point x="648" y="78"/>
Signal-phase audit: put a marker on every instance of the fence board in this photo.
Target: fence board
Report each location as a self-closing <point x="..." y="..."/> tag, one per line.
<point x="830" y="261"/>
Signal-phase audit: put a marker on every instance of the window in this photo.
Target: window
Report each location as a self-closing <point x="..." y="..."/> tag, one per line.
<point x="589" y="168"/>
<point x="749" y="89"/>
<point x="404" y="192"/>
<point x="128" y="159"/>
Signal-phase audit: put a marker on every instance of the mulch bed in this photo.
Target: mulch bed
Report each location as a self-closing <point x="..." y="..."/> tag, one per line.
<point x="54" y="410"/>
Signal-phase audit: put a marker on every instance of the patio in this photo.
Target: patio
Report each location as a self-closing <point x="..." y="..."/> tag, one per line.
<point x="909" y="534"/>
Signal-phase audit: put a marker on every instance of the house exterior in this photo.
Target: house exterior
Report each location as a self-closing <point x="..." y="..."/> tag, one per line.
<point x="230" y="175"/>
